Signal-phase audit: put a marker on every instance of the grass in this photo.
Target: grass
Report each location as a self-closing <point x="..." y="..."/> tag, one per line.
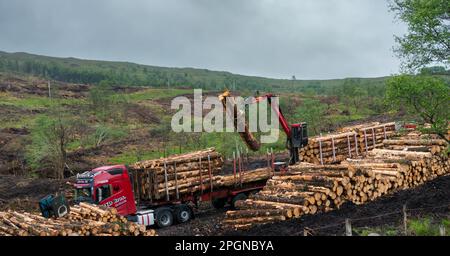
<point x="35" y="102"/>
<point x="110" y="133"/>
<point x="17" y="122"/>
<point x="426" y="226"/>
<point x="423" y="227"/>
<point x="153" y="94"/>
<point x="384" y="231"/>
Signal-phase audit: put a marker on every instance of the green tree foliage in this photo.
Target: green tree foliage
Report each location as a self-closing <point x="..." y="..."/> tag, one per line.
<point x="48" y="149"/>
<point x="108" y="104"/>
<point x="104" y="133"/>
<point x="313" y="113"/>
<point x="428" y="37"/>
<point x="427" y="97"/>
<point x="436" y="70"/>
<point x="100" y="97"/>
<point x="129" y="74"/>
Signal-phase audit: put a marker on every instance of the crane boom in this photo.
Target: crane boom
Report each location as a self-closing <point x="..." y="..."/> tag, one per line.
<point x="297" y="136"/>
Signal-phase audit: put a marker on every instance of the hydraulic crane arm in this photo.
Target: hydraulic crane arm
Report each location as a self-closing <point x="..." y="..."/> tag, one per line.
<point x="276" y="108"/>
<point x="296" y="134"/>
<point x="239" y="121"/>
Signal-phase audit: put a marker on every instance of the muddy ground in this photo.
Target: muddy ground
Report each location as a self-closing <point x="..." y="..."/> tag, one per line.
<point x="23" y="194"/>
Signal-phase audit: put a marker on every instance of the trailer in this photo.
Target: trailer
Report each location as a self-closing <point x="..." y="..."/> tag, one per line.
<point x="116" y="186"/>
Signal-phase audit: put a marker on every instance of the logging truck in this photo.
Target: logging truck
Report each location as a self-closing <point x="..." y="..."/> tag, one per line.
<point x="116" y="186"/>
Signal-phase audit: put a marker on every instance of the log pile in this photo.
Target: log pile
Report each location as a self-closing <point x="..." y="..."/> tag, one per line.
<point x="175" y="175"/>
<point x="245" y="177"/>
<point x="372" y="179"/>
<point x="303" y="189"/>
<point x="373" y="136"/>
<point x="352" y="142"/>
<point x="435" y="146"/>
<point x="331" y="148"/>
<point x="310" y="188"/>
<point x="83" y="220"/>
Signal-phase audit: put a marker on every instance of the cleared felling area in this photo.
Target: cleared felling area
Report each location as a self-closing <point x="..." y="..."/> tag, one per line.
<point x="400" y="163"/>
<point x="83" y="220"/>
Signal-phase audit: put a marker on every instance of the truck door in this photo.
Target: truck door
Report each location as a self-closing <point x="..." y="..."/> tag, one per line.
<point x="112" y="195"/>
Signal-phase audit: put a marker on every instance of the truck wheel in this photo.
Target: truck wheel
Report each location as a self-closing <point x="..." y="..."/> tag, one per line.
<point x="183" y="214"/>
<point x="164" y="217"/>
<point x="238" y="197"/>
<point x="218" y="203"/>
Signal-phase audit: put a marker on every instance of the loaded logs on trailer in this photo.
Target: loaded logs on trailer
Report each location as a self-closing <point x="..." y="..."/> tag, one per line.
<point x="176" y="175"/>
<point x="83" y="220"/>
<point x="170" y="178"/>
<point x="352" y="142"/>
<point x="309" y="188"/>
<point x="247" y="176"/>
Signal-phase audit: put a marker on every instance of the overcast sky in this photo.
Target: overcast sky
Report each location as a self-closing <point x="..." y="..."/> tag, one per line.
<point x="311" y="39"/>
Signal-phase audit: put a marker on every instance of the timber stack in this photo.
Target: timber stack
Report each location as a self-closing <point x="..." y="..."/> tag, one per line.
<point x="350" y="142"/>
<point x="175" y="175"/>
<point x="247" y="176"/>
<point x="310" y="188"/>
<point x="304" y="189"/>
<point x="330" y="149"/>
<point x="373" y="136"/>
<point x="83" y="220"/>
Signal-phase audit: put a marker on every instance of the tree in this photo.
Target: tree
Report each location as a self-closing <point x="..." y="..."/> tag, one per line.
<point x="313" y="113"/>
<point x="425" y="96"/>
<point x="107" y="104"/>
<point x="48" y="149"/>
<point x="436" y="70"/>
<point x="100" y="97"/>
<point x="164" y="133"/>
<point x="428" y="37"/>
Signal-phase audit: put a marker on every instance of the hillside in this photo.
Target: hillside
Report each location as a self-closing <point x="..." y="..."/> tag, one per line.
<point x="133" y="122"/>
<point x="125" y="73"/>
<point x="119" y="112"/>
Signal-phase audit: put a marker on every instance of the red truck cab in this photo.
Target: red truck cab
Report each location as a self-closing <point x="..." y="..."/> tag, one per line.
<point x="107" y="185"/>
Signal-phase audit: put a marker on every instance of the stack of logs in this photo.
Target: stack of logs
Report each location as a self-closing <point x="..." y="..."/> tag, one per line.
<point x="247" y="176"/>
<point x="83" y="220"/>
<point x="373" y="136"/>
<point x="353" y="142"/>
<point x="304" y="189"/>
<point x="307" y="188"/>
<point x="199" y="171"/>
<point x="331" y="148"/>
<point x="175" y="175"/>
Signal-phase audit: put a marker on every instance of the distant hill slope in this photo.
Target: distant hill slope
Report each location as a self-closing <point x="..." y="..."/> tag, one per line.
<point x="126" y="73"/>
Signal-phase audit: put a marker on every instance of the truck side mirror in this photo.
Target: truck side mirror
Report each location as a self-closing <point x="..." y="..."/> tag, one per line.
<point x="99" y="195"/>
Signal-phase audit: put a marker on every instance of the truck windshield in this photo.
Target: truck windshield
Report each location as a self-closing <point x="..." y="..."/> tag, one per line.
<point x="83" y="194"/>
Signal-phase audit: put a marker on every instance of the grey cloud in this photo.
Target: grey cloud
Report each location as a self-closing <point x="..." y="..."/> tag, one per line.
<point x="307" y="38"/>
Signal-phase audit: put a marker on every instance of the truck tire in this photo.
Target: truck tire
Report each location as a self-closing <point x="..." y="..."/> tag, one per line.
<point x="183" y="213"/>
<point x="236" y="198"/>
<point x="219" y="203"/>
<point x="164" y="217"/>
